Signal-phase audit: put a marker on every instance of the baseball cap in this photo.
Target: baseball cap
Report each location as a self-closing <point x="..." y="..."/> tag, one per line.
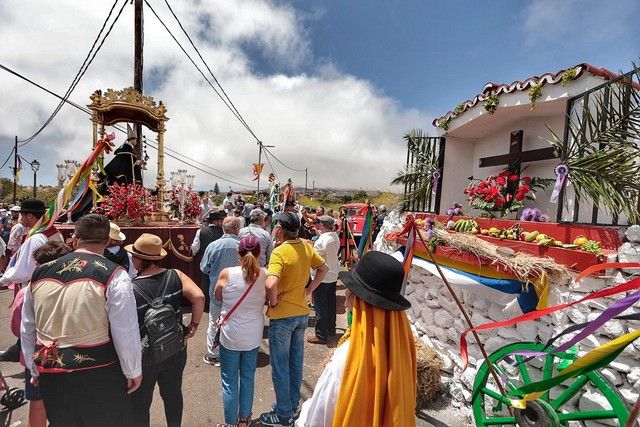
<point x="327" y="220"/>
<point x="287" y="220"/>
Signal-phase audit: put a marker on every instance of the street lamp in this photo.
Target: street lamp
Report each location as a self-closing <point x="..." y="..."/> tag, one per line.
<point x="35" y="165"/>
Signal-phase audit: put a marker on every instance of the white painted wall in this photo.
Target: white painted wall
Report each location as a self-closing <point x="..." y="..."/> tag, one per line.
<point x="477" y="134"/>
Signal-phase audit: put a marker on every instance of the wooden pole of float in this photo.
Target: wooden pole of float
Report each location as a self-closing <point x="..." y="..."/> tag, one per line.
<point x="138" y="67"/>
<point x="634" y="415"/>
<point x="465" y="315"/>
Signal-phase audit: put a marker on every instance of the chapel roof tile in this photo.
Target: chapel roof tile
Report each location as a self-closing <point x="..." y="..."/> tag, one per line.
<point x="522" y="85"/>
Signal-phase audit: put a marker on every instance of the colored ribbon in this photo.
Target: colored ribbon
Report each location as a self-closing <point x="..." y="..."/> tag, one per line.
<point x="625" y="287"/>
<point x="435" y="181"/>
<point x="561" y="172"/>
<point x="611" y="311"/>
<point x="596" y="358"/>
<point x="64" y="195"/>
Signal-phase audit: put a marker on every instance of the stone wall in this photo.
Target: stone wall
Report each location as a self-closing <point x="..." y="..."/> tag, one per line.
<point x="437" y="321"/>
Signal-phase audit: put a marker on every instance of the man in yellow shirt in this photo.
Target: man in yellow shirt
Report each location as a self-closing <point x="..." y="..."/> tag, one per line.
<point x="289" y="271"/>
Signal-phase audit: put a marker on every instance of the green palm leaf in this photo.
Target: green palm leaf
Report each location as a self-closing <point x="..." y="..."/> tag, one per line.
<point x="602" y="150"/>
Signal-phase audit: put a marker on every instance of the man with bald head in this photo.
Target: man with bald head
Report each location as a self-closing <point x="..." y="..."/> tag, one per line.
<point x="220" y="254"/>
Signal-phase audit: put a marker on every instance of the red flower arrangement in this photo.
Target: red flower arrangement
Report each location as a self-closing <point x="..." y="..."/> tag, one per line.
<point x="192" y="210"/>
<point x="126" y="202"/>
<point x="503" y="193"/>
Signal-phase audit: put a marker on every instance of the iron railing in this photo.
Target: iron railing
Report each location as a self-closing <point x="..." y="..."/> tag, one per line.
<point x="431" y="149"/>
<point x="576" y="107"/>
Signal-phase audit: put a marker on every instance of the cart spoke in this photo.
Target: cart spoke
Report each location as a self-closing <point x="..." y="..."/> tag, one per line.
<point x="575" y="387"/>
<point x="524" y="372"/>
<point x="495" y="421"/>
<point x="588" y="415"/>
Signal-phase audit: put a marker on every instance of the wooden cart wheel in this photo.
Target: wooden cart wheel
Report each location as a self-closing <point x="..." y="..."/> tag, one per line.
<point x="555" y="407"/>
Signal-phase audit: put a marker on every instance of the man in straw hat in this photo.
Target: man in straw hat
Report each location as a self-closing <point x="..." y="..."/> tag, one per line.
<point x="116" y="253"/>
<point x="23" y="263"/>
<point x="84" y="360"/>
<point x="371" y="378"/>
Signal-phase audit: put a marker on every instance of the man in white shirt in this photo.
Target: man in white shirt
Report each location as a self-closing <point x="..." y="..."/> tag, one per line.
<point x="324" y="295"/>
<point x="18" y="230"/>
<point x="85" y="361"/>
<point x="22" y="263"/>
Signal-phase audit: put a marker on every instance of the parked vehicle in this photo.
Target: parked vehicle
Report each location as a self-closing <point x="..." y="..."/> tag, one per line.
<point x="356" y="214"/>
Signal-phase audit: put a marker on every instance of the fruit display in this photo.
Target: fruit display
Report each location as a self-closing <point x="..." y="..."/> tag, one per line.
<point x="515" y="232"/>
<point x="466" y="226"/>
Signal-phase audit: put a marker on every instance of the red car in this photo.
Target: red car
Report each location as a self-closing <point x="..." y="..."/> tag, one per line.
<point x="356" y="214"/>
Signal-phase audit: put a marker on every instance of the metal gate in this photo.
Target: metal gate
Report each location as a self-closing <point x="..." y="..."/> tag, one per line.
<point x="426" y="153"/>
<point x="612" y="101"/>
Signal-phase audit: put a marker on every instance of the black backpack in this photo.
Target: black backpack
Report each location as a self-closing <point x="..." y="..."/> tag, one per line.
<point x="163" y="336"/>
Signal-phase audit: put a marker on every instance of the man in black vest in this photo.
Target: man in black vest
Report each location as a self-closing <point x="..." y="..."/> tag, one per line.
<point x="210" y="232"/>
<point x="85" y="361"/>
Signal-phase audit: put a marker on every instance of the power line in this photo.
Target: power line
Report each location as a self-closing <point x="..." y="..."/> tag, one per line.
<point x="117" y="127"/>
<point x="83" y="68"/>
<point x="280" y="161"/>
<point x="155" y="147"/>
<point x="8" y="157"/>
<point x="239" y="116"/>
<point x="228" y="104"/>
<point x="197" y="68"/>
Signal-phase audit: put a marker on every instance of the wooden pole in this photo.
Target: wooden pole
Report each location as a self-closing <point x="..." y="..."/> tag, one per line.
<point x="138" y="68"/>
<point x="465" y="315"/>
<point x="634" y="415"/>
<point x="15" y="171"/>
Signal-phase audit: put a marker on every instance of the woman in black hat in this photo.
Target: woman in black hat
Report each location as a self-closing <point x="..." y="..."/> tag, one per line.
<point x="371" y="378"/>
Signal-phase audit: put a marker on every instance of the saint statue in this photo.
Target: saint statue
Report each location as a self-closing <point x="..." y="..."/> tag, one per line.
<point x="124" y="168"/>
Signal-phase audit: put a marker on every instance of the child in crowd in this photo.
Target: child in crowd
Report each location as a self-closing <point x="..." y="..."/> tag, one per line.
<point x="37" y="413"/>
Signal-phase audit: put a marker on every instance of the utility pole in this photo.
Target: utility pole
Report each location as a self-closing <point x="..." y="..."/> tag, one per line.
<point x="305" y="181"/>
<point x="313" y="184"/>
<point x="138" y="65"/>
<point x="15" y="170"/>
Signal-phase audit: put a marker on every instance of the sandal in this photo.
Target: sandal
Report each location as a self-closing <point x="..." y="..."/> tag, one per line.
<point x="244" y="421"/>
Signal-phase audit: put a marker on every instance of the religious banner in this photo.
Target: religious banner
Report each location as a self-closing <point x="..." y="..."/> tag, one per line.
<point x="257" y="170"/>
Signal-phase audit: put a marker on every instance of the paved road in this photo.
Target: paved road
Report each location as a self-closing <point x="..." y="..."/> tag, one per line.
<point x="201" y="382"/>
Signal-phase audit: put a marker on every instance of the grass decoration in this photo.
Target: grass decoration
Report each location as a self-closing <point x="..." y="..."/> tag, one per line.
<point x="602" y="150"/>
<point x="419" y="174"/>
<point x="524" y="266"/>
<point x="429" y="364"/>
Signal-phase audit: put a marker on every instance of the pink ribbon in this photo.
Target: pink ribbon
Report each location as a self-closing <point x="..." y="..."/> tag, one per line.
<point x="561" y="172"/>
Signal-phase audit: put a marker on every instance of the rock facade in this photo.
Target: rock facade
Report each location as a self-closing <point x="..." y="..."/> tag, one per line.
<point x="437" y="321"/>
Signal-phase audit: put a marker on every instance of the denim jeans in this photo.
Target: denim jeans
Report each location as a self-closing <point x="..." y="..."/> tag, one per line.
<point x="286" y="348"/>
<point x="237" y="366"/>
<point x="215" y="307"/>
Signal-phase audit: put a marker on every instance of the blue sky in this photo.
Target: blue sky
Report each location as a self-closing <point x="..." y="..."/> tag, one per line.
<point x="432" y="55"/>
<point x="332" y="84"/>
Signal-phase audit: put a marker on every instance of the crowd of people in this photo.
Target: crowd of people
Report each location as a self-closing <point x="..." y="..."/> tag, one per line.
<point x="101" y="323"/>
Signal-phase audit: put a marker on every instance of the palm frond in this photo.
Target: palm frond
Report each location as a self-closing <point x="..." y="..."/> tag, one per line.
<point x="603" y="149"/>
<point x="417" y="176"/>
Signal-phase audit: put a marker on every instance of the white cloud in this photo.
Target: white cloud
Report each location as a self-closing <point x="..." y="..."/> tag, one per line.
<point x="569" y="22"/>
<point x="338" y="126"/>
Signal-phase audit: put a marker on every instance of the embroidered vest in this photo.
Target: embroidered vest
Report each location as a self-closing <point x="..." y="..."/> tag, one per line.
<point x="72" y="327"/>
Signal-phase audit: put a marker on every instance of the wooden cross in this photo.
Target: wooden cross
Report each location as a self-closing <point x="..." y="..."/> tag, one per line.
<point x="516" y="156"/>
